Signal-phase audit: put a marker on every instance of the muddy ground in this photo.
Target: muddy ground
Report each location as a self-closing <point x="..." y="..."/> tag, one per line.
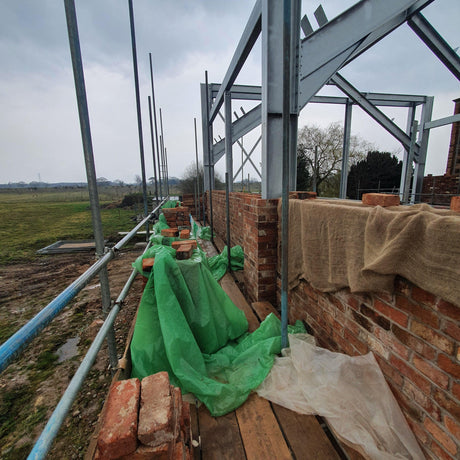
<point x="32" y="385"/>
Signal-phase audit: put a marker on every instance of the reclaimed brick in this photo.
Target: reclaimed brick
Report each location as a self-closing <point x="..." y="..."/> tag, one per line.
<point x="439" y="452"/>
<point x="440" y="435"/>
<point x="447" y="402"/>
<point x="412" y="374"/>
<point x="170" y="232"/>
<point x="184" y="234"/>
<point x="432" y="337"/>
<point x="425" y="315"/>
<point x="453" y="426"/>
<point x="118" y="432"/>
<point x="156" y="411"/>
<point x="432" y="372"/>
<point x="422" y="400"/>
<point x="448" y="309"/>
<point x="422" y="296"/>
<point x="414" y="343"/>
<point x="456" y="390"/>
<point x="184" y="252"/>
<point x="393" y="314"/>
<point x="455" y="203"/>
<point x="380" y="199"/>
<point x="147" y="264"/>
<point x="449" y="365"/>
<point x="452" y="329"/>
<point x="177" y="244"/>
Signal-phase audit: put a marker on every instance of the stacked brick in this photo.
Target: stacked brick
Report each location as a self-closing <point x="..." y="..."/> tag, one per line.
<point x="145" y="420"/>
<point x="188" y="200"/>
<point x="177" y="217"/>
<point x="439" y="189"/>
<point x="415" y="337"/>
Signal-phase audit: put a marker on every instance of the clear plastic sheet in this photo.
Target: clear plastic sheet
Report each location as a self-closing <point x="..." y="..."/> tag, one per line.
<point x="350" y="392"/>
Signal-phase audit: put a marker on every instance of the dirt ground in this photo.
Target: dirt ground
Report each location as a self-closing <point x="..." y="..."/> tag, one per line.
<point x="32" y="385"/>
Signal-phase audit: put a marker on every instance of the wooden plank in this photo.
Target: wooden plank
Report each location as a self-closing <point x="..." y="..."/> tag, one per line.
<point x="220" y="436"/>
<point x="263" y="309"/>
<point x="261" y="434"/>
<point x="305" y="436"/>
<point x="228" y="285"/>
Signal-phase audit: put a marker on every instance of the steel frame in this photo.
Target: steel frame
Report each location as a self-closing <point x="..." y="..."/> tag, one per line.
<point x="316" y="61"/>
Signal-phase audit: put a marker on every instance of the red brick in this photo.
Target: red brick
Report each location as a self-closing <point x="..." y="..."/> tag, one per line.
<point x="448" y="365"/>
<point x="177" y="244"/>
<point x="380" y="199"/>
<point x="170" y="232"/>
<point x="453" y="426"/>
<point x="184" y="252"/>
<point x="449" y="309"/>
<point x="184" y="234"/>
<point x="452" y="329"/>
<point x="413" y="342"/>
<point x="395" y="315"/>
<point x="389" y="371"/>
<point x="118" y="433"/>
<point x="361" y="347"/>
<point x="156" y="411"/>
<point x="439" y="452"/>
<point x="445" y="401"/>
<point x="413" y="375"/>
<point x="148" y="453"/>
<point x="440" y="435"/>
<point x="455" y="203"/>
<point x="426" y="315"/>
<point x="422" y="400"/>
<point x="422" y="296"/>
<point x="388" y="339"/>
<point x="432" y="372"/>
<point x="437" y="340"/>
<point x="147" y="264"/>
<point x="403" y="286"/>
<point x="407" y="405"/>
<point x="456" y="390"/>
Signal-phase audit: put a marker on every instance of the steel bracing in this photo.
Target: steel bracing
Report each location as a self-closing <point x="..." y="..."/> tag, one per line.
<point x="316" y="60"/>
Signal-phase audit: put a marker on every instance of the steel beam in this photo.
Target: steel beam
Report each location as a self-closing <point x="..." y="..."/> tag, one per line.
<point x="247" y="40"/>
<point x="206" y="130"/>
<point x="373" y="111"/>
<point x="342" y="39"/>
<point x="442" y="121"/>
<point x="436" y="43"/>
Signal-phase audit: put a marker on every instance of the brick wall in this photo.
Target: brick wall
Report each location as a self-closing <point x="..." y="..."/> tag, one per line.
<point x="439" y="189"/>
<point x="254" y="226"/>
<point x="415" y="338"/>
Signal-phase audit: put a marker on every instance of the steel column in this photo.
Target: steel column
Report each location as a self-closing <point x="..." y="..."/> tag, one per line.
<point x="405" y="164"/>
<point x="423" y="139"/>
<point x="272" y="98"/>
<point x="410" y="159"/>
<point x="346" y="150"/>
<point x="197" y="209"/>
<point x="228" y="139"/>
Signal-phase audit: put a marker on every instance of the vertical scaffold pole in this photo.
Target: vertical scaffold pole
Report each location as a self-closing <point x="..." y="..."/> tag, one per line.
<point x="153" y="152"/>
<point x="138" y="108"/>
<point x="210" y="160"/>
<point x="80" y="89"/>
<point x="155" y="121"/>
<point x="285" y="180"/>
<point x="197" y="210"/>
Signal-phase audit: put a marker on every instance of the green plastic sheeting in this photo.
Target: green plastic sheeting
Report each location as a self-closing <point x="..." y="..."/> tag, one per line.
<point x="160" y="225"/>
<point x="219" y="264"/>
<point x="189" y="327"/>
<point x="201" y="232"/>
<point x="171" y="204"/>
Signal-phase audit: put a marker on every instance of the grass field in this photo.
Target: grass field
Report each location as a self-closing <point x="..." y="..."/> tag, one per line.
<point x="30" y="220"/>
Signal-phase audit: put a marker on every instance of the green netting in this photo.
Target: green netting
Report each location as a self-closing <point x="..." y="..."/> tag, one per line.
<point x="160" y="225"/>
<point x="219" y="264"/>
<point x="171" y="204"/>
<point x="200" y="232"/>
<point x="189" y="327"/>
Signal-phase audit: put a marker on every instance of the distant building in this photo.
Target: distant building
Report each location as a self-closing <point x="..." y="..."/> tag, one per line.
<point x="453" y="161"/>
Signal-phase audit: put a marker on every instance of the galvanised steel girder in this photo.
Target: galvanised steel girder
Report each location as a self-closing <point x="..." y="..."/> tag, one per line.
<point x="345" y="37"/>
<point x="442" y="121"/>
<point x="248" y="38"/>
<point x="374" y="112"/>
<point x="436" y="43"/>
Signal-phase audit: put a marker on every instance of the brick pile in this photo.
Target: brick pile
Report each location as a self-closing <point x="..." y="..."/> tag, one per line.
<point x="177" y="217"/>
<point x="145" y="420"/>
<point x="188" y="200"/>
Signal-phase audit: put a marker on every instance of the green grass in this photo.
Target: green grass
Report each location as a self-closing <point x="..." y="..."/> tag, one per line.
<point x="30" y="221"/>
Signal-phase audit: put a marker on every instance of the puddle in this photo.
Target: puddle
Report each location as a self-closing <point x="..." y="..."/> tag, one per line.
<point x="68" y="350"/>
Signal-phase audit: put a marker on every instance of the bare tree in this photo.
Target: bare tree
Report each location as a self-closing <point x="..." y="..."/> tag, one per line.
<point x="321" y="150"/>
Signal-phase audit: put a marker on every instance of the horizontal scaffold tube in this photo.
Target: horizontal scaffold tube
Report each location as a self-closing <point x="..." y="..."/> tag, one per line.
<point x="18" y="341"/>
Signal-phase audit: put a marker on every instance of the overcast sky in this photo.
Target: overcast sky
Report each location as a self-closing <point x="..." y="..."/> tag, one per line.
<point x="39" y="128"/>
